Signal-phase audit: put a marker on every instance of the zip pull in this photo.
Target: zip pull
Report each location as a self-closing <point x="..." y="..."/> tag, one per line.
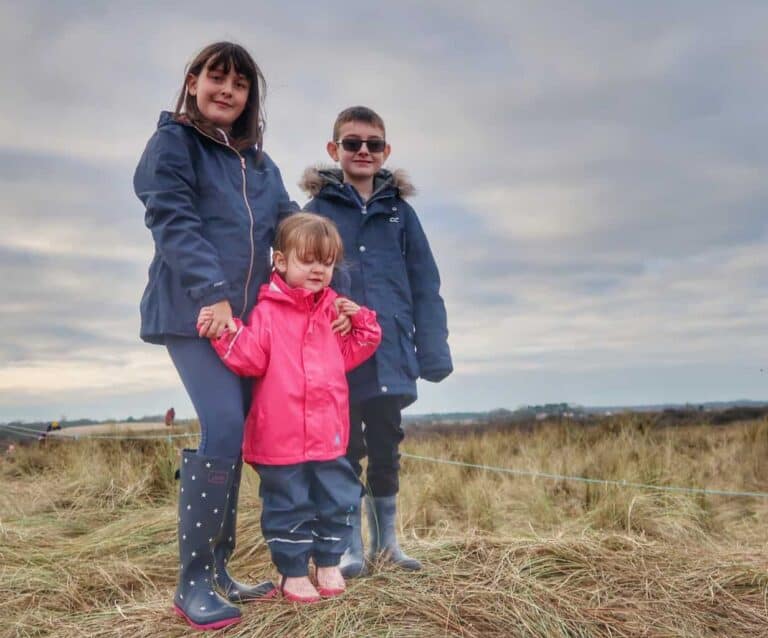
<point x="242" y="162"/>
<point x="364" y="209"/>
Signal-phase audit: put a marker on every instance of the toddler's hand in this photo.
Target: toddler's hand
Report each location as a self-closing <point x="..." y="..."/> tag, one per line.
<point x="205" y="316"/>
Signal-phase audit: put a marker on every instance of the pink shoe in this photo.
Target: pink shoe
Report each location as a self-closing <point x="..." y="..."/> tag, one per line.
<point x="295" y="598"/>
<point x="329" y="592"/>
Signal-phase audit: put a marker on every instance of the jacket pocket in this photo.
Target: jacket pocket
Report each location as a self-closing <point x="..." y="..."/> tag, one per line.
<point x="405" y="329"/>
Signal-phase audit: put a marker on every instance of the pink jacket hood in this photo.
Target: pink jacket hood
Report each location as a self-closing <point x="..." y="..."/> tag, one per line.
<point x="300" y="408"/>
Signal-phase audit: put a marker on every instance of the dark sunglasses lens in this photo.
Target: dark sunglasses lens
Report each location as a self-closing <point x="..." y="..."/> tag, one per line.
<point x="351" y="145"/>
<point x="375" y="146"/>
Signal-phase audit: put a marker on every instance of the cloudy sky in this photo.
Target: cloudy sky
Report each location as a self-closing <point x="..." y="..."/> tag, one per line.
<point x="592" y="179"/>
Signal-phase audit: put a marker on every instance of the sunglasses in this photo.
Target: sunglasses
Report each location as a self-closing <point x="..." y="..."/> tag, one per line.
<point x="354" y="144"/>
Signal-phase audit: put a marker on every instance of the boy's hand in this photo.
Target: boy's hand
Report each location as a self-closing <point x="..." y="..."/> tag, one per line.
<point x="342" y="324"/>
<point x="214" y="320"/>
<point x="346" y="307"/>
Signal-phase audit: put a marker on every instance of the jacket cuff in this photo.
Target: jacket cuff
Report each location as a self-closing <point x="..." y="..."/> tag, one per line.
<point x="210" y="293"/>
<point x="223" y="345"/>
<point x="434" y="371"/>
<point x="365" y="318"/>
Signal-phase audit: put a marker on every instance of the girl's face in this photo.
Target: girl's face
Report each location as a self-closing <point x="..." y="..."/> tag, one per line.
<point x="307" y="272"/>
<point x="221" y="97"/>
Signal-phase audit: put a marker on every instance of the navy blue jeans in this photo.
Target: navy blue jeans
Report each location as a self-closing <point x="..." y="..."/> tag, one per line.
<point x="306" y="509"/>
<point x="380" y="441"/>
<point x="220" y="397"/>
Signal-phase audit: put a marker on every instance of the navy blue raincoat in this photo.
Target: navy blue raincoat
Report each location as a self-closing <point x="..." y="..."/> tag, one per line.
<point x="389" y="268"/>
<point x="213" y="212"/>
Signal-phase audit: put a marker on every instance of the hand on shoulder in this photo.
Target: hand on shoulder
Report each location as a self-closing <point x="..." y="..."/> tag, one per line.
<point x="346" y="307"/>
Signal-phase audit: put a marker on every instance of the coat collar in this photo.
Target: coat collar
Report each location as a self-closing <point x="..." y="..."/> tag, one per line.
<point x="317" y="177"/>
<point x="278" y="290"/>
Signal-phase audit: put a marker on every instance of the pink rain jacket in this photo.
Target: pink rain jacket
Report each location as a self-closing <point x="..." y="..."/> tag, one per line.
<point x="300" y="408"/>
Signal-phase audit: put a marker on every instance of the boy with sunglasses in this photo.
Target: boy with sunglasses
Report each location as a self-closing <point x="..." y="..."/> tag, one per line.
<point x="389" y="268"/>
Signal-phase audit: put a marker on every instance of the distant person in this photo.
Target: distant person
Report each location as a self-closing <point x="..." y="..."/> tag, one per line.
<point x="392" y="271"/>
<point x="297" y="430"/>
<point x="44" y="433"/>
<point x="213" y="199"/>
<point x="170" y="415"/>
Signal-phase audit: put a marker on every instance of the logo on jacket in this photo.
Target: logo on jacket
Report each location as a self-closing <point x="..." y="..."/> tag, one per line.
<point x="217" y="477"/>
<point x="395" y="219"/>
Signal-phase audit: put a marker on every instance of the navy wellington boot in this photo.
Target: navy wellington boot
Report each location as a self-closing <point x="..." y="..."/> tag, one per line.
<point x="382" y="512"/>
<point x="203" y="497"/>
<point x="224" y="545"/>
<point x="352" y="563"/>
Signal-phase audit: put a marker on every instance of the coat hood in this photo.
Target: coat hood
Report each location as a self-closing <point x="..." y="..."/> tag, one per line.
<point x="318" y="176"/>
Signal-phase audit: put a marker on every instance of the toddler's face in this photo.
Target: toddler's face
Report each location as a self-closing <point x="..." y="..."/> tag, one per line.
<point x="360" y="164"/>
<point x="221" y="97"/>
<point x="308" y="272"/>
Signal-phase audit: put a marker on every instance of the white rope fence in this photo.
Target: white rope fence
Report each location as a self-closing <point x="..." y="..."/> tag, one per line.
<point x="534" y="474"/>
<point x="583" y="479"/>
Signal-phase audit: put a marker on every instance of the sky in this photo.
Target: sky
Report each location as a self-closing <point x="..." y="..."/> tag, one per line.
<point x="591" y="176"/>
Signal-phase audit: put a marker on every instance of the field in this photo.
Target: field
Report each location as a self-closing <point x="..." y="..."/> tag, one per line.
<point x="87" y="539"/>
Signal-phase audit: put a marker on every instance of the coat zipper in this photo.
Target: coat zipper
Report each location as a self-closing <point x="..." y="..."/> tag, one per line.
<point x="250" y="235"/>
<point x="247" y="205"/>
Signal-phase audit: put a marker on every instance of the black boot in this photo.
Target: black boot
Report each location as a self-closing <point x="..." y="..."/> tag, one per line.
<point x="352" y="560"/>
<point x="223" y="547"/>
<point x="203" y="494"/>
<point x="382" y="511"/>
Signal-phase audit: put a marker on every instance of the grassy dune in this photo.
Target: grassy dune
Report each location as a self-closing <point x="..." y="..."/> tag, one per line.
<point x="87" y="540"/>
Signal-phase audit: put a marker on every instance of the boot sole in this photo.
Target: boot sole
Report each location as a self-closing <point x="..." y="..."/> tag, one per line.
<point x="354" y="572"/>
<point x="270" y="594"/>
<point x="218" y="624"/>
<point x="301" y="600"/>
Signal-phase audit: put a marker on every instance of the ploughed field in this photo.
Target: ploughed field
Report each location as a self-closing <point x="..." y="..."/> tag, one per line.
<point x="87" y="539"/>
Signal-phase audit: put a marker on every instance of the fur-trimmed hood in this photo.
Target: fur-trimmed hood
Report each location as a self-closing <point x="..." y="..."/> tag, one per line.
<point x="318" y="176"/>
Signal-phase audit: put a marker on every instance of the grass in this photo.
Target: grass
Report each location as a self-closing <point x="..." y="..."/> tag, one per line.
<point x="87" y="540"/>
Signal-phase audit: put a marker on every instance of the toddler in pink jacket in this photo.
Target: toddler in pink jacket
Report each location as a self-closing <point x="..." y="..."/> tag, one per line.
<point x="297" y="428"/>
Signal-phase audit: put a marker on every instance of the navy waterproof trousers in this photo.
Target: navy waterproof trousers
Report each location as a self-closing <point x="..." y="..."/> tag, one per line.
<point x="306" y="511"/>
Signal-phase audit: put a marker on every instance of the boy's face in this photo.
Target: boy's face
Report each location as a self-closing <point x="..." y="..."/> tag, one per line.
<point x="361" y="164"/>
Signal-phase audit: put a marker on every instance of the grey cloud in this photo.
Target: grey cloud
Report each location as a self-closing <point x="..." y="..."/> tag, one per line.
<point x="590" y="176"/>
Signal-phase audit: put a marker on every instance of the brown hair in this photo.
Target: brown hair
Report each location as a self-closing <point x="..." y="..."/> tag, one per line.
<point x="248" y="129"/>
<point x="357" y="114"/>
<point x="310" y="235"/>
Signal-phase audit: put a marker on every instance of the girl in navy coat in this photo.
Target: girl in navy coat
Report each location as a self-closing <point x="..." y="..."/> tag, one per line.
<point x="213" y="200"/>
<point x="390" y="269"/>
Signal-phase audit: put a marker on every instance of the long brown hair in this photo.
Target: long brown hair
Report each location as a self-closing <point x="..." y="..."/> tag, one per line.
<point x="248" y="129"/>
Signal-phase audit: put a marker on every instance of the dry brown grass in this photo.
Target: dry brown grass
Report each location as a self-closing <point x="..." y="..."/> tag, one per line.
<point x="87" y="540"/>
